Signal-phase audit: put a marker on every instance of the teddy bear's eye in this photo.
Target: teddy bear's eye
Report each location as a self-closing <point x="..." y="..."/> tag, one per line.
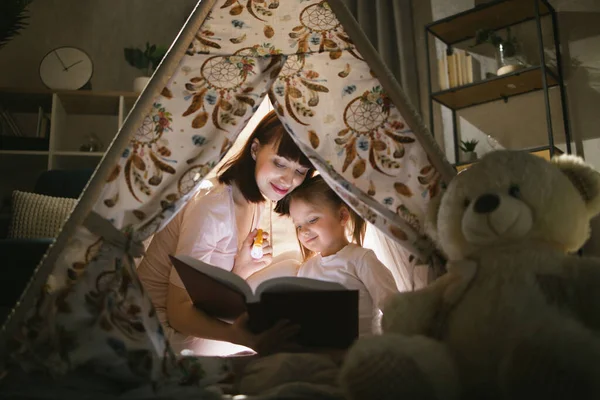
<point x="467" y="202"/>
<point x="514" y="191"/>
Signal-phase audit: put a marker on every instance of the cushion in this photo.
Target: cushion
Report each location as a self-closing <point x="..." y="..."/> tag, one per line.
<point x="38" y="216"/>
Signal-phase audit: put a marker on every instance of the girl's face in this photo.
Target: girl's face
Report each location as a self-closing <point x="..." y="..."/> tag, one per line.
<point x="275" y="176"/>
<point x="320" y="228"/>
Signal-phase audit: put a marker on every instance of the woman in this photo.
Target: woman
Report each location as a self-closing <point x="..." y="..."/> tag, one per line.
<point x="218" y="226"/>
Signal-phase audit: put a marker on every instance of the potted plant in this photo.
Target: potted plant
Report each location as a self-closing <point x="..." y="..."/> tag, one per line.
<point x="508" y="54"/>
<point x="145" y="60"/>
<point x="468" y="147"/>
<point x="14" y="19"/>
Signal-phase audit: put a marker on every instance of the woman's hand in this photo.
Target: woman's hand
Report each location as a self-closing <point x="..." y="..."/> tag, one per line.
<point x="277" y="338"/>
<point x="245" y="265"/>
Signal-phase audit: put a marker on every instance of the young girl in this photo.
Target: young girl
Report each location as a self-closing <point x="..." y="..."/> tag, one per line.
<point x="321" y="220"/>
<point x="218" y="226"/>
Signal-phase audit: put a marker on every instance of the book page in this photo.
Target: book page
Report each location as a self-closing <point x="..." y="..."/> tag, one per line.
<point x="295" y="284"/>
<point x="225" y="277"/>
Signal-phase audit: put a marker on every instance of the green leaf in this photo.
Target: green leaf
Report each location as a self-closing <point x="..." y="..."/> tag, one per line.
<point x="136" y="58"/>
<point x="469" y="145"/>
<point x="13" y="18"/>
<point x="145" y="60"/>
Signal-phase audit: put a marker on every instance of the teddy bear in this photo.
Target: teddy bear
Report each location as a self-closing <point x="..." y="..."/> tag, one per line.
<point x="517" y="315"/>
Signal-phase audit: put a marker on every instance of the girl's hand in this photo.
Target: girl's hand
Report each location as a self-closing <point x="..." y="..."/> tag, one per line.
<point x="277" y="338"/>
<point x="245" y="265"/>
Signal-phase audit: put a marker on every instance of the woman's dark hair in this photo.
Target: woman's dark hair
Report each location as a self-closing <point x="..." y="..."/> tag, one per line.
<point x="241" y="168"/>
<point x="315" y="190"/>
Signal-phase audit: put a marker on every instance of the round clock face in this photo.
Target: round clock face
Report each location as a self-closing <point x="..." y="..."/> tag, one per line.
<point x="66" y="68"/>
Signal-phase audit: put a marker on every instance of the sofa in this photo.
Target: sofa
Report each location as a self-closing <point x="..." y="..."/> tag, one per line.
<point x="21" y="255"/>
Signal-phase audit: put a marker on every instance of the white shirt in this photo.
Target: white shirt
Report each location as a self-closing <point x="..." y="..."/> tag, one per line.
<point x="205" y="229"/>
<point x="356" y="268"/>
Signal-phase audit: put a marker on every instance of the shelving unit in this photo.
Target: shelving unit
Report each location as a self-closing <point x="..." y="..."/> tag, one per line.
<point x="497" y="15"/>
<point x="73" y="116"/>
<point x="498" y="88"/>
<point x="491" y="15"/>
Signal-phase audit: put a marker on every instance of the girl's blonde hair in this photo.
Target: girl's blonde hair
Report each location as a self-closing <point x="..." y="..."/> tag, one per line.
<point x="315" y="190"/>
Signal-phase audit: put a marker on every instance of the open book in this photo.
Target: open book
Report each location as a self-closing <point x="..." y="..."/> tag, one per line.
<point x="326" y="312"/>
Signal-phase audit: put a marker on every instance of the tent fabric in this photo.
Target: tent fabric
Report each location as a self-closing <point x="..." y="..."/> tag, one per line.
<point x="333" y="95"/>
<point x="388" y="24"/>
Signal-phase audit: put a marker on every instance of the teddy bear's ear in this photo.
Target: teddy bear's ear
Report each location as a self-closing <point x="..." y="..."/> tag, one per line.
<point x="431" y="217"/>
<point x="585" y="179"/>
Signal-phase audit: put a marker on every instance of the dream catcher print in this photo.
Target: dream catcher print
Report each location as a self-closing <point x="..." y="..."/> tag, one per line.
<point x="158" y="221"/>
<point x="320" y="28"/>
<point x="259" y="9"/>
<point x="299" y="89"/>
<point x="221" y="83"/>
<point x="218" y="83"/>
<point x="431" y="179"/>
<point x="410" y="218"/>
<point x="111" y="304"/>
<point x="77" y="267"/>
<point x="371" y="136"/>
<point x="147" y="157"/>
<point x="186" y="184"/>
<point x="203" y="42"/>
<point x="407" y="229"/>
<point x="192" y="177"/>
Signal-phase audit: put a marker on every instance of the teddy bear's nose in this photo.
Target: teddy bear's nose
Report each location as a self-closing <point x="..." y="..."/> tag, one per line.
<point x="486" y="203"/>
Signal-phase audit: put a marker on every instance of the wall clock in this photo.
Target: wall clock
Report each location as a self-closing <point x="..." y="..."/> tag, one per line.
<point x="66" y="68"/>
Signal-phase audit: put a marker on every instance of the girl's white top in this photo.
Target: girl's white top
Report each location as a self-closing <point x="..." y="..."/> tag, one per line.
<point x="359" y="269"/>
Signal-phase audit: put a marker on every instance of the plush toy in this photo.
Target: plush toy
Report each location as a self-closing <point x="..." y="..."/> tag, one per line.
<point x="517" y="316"/>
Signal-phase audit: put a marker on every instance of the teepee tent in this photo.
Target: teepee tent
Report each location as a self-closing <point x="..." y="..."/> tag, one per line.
<point x="85" y="307"/>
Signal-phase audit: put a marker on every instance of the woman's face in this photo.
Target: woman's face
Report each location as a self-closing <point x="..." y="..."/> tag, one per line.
<point x="275" y="176"/>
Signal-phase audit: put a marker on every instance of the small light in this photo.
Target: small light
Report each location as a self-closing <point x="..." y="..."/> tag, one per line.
<point x="511" y="86"/>
<point x="187" y="352"/>
<point x="196" y="176"/>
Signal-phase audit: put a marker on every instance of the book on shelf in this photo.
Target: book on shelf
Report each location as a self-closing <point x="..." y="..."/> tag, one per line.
<point x="326" y="312"/>
<point x="452" y="66"/>
<point x="10" y="123"/>
<point x="43" y="124"/>
<point x="460" y="68"/>
<point x="443" y="76"/>
<point x="457" y="68"/>
<point x="470" y="68"/>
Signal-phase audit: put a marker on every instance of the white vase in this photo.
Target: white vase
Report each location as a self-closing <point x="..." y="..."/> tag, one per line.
<point x="507" y="69"/>
<point x="140" y="83"/>
<point x="470" y="156"/>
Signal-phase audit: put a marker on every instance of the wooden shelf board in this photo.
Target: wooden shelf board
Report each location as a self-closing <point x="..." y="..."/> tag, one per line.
<point x="79" y="153"/>
<point x="25" y="101"/>
<point x="87" y="102"/>
<point x="25" y="152"/>
<point x="543" y="152"/>
<point x="524" y="81"/>
<point x="493" y="15"/>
